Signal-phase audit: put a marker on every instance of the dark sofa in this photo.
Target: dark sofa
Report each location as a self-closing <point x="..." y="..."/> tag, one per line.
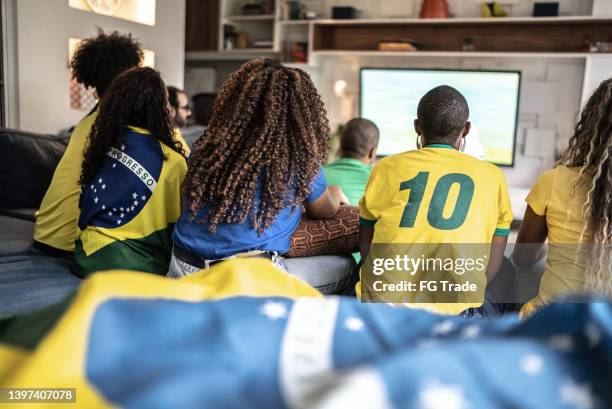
<point x="29" y="279"/>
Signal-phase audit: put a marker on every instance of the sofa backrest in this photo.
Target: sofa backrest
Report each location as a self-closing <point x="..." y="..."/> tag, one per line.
<point x="27" y="163"/>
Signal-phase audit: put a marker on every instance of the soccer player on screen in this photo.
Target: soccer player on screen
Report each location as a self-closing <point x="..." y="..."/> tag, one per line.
<point x="437" y="196"/>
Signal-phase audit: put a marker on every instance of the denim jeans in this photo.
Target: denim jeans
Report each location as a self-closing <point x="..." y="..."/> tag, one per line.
<point x="328" y="274"/>
<point x="511" y="288"/>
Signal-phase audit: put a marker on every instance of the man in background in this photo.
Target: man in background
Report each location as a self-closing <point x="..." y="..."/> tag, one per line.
<point x="180" y="110"/>
<point x="358" y="144"/>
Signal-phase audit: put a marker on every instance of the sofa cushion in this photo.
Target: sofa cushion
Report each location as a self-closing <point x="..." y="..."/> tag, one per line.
<point x="338" y="235"/>
<point x="27" y="163"/>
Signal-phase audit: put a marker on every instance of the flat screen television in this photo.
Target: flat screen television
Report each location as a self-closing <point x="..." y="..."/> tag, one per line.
<point x="390" y="96"/>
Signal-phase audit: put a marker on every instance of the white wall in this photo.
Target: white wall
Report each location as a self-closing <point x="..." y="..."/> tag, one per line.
<point x="44" y="28"/>
<point x="598" y="69"/>
<point x="602" y="7"/>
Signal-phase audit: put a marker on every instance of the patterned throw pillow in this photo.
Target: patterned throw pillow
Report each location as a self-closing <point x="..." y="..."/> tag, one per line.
<point x="338" y="235"/>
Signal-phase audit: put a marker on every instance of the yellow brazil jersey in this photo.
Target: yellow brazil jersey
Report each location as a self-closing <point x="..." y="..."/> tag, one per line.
<point x="559" y="196"/>
<point x="128" y="210"/>
<point x="442" y="203"/>
<point x="56" y="220"/>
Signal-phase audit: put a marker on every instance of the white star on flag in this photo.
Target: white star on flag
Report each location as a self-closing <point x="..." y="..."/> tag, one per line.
<point x="114" y="165"/>
<point x="354" y="324"/>
<point x="273" y="310"/>
<point x="92" y="186"/>
<point x="561" y="342"/>
<point x="103" y="207"/>
<point x="579" y="396"/>
<point x="144" y="197"/>
<point x="122" y="147"/>
<point x="100" y="180"/>
<point x="96" y="200"/>
<point x="443" y="328"/>
<point x="118" y="221"/>
<point x="471" y="331"/>
<point x="110" y="213"/>
<point x="103" y="187"/>
<point x="121" y="215"/>
<point x="121" y="208"/>
<point x="439" y="396"/>
<point x="532" y="364"/>
<point x="593" y="334"/>
<point x="134" y="195"/>
<point x="132" y="208"/>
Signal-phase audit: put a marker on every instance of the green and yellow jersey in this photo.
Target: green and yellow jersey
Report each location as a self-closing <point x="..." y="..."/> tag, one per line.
<point x="559" y="195"/>
<point x="437" y="195"/>
<point x="128" y="210"/>
<point x="56" y="220"/>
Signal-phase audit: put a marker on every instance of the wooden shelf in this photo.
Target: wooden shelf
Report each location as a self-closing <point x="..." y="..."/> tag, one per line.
<point x="255" y="17"/>
<point x="464" y="20"/>
<point x="201" y="25"/>
<point x="451" y="54"/>
<point x="249" y="50"/>
<point x="505" y="35"/>
<point x="229" y="55"/>
<point x="296" y="22"/>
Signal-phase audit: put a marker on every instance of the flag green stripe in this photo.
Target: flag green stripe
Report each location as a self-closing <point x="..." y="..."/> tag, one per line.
<point x="27" y="330"/>
<point x="150" y="254"/>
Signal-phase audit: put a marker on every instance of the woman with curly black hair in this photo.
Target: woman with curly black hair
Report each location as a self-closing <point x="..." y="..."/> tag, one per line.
<point x="95" y="63"/>
<point x="259" y="160"/>
<point x="130" y="179"/>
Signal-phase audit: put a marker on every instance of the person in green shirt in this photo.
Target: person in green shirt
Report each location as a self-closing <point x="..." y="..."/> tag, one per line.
<point x="358" y="143"/>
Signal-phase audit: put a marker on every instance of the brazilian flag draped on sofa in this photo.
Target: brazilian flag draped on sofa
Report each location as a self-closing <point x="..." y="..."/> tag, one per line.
<point x="244" y="334"/>
<point x="128" y="211"/>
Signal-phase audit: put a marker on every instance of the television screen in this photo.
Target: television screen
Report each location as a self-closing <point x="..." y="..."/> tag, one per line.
<point x="390" y="97"/>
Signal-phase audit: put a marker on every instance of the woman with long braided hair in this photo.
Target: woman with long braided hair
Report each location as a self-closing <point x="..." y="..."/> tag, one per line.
<point x="259" y="160"/>
<point x="571" y="205"/>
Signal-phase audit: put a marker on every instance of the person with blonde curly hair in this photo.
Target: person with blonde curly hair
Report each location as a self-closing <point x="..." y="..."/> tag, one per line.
<point x="257" y="164"/>
<point x="571" y="206"/>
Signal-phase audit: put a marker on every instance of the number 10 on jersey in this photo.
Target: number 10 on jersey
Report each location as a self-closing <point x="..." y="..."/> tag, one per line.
<point x="435" y="216"/>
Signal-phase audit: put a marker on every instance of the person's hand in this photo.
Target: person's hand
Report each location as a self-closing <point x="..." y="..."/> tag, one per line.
<point x="338" y="194"/>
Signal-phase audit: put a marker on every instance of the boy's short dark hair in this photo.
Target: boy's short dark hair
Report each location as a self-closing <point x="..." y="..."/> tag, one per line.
<point x="358" y="137"/>
<point x="173" y="95"/>
<point x="442" y="114"/>
<point x="98" y="60"/>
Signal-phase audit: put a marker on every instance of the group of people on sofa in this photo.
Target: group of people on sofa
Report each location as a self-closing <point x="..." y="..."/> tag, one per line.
<point x="129" y="194"/>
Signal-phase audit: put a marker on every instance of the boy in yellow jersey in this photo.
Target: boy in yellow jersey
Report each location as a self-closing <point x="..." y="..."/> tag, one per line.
<point x="434" y="214"/>
<point x="95" y="63"/>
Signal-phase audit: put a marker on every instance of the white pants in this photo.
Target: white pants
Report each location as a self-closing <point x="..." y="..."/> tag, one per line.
<point x="180" y="269"/>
